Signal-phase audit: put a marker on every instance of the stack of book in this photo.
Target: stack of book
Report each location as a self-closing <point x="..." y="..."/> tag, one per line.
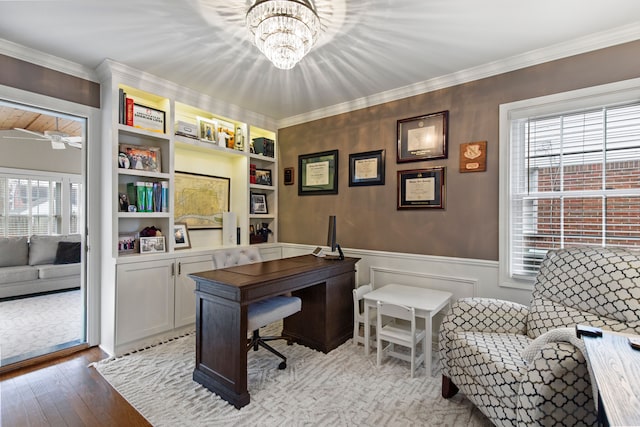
<point x="149" y="196"/>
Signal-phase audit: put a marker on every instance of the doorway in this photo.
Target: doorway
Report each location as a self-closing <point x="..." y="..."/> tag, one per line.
<point x="42" y="232"/>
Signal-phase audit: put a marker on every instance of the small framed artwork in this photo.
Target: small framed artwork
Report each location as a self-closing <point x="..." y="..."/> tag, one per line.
<point x="181" y="235"/>
<point x="423" y="137"/>
<point x="263" y="177"/>
<point x="148" y="118"/>
<point x="473" y="156"/>
<point x="139" y="157"/>
<point x="259" y="203"/>
<point x="152" y="244"/>
<point x="318" y="173"/>
<point x="207" y="129"/>
<point x="288" y="176"/>
<point x="421" y="188"/>
<point x="366" y="168"/>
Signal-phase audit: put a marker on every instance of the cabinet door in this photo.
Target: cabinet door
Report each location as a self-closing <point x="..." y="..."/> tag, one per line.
<point x="185" y="287"/>
<point x="144" y="300"/>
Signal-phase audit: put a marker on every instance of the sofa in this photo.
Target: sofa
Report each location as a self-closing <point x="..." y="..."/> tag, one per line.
<point x="524" y="365"/>
<point x="36" y="264"/>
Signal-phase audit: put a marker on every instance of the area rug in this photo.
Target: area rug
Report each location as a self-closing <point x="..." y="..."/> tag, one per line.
<point x="341" y="388"/>
<point x="31" y="326"/>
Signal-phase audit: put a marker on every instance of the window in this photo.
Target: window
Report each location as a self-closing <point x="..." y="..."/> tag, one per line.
<point x="570" y="175"/>
<point x="43" y="204"/>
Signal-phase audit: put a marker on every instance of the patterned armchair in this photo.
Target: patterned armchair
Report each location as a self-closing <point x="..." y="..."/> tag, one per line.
<point x="524" y="365"/>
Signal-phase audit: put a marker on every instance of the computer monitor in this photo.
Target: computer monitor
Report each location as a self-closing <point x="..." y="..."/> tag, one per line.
<point x="331" y="239"/>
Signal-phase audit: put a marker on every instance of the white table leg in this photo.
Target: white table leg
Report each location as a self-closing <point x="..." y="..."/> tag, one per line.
<point x="367" y="328"/>
<point x="426" y="345"/>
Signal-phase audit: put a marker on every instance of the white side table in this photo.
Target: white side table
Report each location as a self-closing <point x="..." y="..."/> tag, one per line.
<point x="427" y="303"/>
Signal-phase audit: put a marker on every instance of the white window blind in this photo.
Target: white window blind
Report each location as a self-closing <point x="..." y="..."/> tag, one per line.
<point x="574" y="181"/>
<point x="34" y="205"/>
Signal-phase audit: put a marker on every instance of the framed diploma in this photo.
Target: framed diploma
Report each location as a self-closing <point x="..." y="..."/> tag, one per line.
<point x="423" y="137"/>
<point x="366" y="168"/>
<point x="318" y="173"/>
<point x="421" y="188"/>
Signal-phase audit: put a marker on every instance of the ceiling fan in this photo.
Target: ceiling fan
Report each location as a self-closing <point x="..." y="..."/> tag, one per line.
<point x="59" y="140"/>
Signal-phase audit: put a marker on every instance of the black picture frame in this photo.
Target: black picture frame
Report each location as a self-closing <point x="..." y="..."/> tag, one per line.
<point x="258" y="204"/>
<point x="366" y="168"/>
<point x="423" y="137"/>
<point x="148" y="118"/>
<point x="263" y="177"/>
<point x="421" y="188"/>
<point x="318" y="173"/>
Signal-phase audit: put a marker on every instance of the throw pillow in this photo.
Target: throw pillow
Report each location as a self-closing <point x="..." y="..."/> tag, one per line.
<point x="68" y="253"/>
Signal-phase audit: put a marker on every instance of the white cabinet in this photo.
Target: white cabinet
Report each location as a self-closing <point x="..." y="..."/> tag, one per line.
<point x="154" y="297"/>
<point x="185" y="304"/>
<point x="144" y="300"/>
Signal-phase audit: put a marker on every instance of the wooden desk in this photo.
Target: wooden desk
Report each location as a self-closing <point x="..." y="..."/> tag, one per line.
<point x="616" y="367"/>
<point x="427" y="303"/>
<point x="222" y="298"/>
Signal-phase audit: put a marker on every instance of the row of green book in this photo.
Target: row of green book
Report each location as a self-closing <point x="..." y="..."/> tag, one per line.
<point x="148" y="196"/>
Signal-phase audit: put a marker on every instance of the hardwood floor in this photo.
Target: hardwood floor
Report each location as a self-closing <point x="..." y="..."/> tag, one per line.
<point x="64" y="392"/>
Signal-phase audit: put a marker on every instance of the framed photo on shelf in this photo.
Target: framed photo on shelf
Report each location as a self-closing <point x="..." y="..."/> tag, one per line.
<point x="366" y="168"/>
<point x="139" y="157"/>
<point x="318" y="173"/>
<point x="259" y="203"/>
<point x="423" y="137"/>
<point x="200" y="200"/>
<point x="148" y="118"/>
<point x="181" y="235"/>
<point x="127" y="244"/>
<point x="207" y="129"/>
<point x="263" y="177"/>
<point x="152" y="244"/>
<point x="421" y="188"/>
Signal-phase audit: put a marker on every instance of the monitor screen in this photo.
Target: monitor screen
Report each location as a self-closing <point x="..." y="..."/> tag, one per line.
<point x="331" y="236"/>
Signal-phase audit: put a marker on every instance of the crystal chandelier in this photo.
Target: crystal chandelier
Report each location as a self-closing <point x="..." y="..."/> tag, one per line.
<point x="284" y="30"/>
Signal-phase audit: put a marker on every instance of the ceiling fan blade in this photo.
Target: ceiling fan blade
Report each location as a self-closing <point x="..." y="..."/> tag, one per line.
<point x="19" y="137"/>
<point x="41" y="135"/>
<point x="76" y="139"/>
<point x="74" y="144"/>
<point x="57" y="145"/>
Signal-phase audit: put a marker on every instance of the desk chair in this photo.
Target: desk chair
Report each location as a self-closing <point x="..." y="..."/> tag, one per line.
<point x="264" y="312"/>
<point x="404" y="334"/>
<point x="358" y="315"/>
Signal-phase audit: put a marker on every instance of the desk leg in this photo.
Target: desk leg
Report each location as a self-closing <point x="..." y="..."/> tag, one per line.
<point x="221" y="348"/>
<point x="367" y="329"/>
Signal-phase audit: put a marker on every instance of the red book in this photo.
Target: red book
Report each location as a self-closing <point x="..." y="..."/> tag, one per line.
<point x="129" y="121"/>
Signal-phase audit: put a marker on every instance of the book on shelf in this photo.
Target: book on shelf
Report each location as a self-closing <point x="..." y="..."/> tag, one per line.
<point x="122" y="96"/>
<point x="129" y="112"/>
<point x="252" y="173"/>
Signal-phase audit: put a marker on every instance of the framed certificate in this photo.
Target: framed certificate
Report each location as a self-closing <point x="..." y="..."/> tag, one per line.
<point x="421" y="188"/>
<point x="423" y="137"/>
<point x="366" y="168"/>
<point x="318" y="173"/>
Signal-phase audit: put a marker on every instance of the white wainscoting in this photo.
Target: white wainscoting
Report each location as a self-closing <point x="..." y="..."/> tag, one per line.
<point x="460" y="276"/>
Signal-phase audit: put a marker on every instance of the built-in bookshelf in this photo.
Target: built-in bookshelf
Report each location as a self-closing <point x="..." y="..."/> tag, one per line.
<point x="158" y="129"/>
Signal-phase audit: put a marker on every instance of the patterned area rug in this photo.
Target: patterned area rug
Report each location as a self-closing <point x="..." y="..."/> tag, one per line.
<point x="29" y="326"/>
<point x="342" y="388"/>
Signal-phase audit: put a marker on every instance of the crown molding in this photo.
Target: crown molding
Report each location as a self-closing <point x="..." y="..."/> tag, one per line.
<point x="566" y="49"/>
<point x="37" y="57"/>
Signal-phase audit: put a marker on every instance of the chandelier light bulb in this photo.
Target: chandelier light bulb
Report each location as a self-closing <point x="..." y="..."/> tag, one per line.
<point x="283" y="30"/>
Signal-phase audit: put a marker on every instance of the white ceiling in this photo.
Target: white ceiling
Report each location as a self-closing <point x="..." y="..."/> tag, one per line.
<point x="371" y="47"/>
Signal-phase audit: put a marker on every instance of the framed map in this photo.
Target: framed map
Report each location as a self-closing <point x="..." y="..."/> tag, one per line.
<point x="200" y="199"/>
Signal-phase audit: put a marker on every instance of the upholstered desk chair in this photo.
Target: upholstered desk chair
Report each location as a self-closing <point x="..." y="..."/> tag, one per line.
<point x="405" y="334"/>
<point x="358" y="315"/>
<point x="265" y="312"/>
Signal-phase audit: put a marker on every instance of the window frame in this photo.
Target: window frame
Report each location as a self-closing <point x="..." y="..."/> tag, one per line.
<point x="611" y="94"/>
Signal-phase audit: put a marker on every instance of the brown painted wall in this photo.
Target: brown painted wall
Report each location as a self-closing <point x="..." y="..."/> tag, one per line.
<point x="468" y="226"/>
<point x="45" y="81"/>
